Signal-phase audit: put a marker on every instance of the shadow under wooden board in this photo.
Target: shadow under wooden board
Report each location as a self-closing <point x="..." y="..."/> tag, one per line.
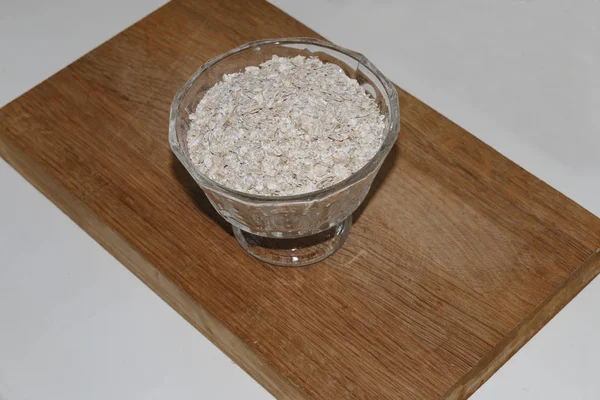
<point x="458" y="258"/>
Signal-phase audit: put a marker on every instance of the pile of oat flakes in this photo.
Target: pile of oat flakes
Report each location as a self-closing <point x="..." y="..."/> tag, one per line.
<point x="289" y="126"/>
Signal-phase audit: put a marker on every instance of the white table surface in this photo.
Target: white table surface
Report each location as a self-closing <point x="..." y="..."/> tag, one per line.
<point x="520" y="75"/>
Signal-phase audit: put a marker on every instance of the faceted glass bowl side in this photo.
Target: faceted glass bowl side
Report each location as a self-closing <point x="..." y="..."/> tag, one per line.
<point x="325" y="213"/>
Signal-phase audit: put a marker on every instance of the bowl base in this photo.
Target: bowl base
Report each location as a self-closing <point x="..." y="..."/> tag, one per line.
<point x="295" y="252"/>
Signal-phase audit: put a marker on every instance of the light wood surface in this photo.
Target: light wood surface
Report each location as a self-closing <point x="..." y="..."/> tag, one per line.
<point x="457" y="258"/>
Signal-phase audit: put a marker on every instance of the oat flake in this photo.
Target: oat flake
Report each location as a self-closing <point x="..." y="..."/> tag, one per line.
<point x="290" y="126"/>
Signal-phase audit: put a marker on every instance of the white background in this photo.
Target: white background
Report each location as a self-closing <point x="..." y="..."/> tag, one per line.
<point x="520" y="75"/>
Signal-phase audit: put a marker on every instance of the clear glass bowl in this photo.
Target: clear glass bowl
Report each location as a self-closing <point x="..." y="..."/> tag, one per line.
<point x="287" y="230"/>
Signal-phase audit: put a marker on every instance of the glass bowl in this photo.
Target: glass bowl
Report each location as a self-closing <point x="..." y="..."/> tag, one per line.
<point x="299" y="229"/>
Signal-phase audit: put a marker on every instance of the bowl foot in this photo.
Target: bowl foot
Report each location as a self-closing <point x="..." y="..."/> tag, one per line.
<point x="295" y="252"/>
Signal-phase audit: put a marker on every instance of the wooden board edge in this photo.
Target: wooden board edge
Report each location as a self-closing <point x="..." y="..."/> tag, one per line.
<point x="519" y="336"/>
<point x="235" y="348"/>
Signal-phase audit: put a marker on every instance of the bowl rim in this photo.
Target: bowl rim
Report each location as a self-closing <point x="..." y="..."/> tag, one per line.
<point x="392" y="128"/>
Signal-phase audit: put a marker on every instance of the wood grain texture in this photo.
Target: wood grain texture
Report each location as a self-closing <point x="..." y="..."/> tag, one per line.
<point x="457" y="258"/>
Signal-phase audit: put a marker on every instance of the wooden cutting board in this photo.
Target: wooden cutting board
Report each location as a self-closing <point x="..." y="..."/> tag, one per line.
<point x="457" y="259"/>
